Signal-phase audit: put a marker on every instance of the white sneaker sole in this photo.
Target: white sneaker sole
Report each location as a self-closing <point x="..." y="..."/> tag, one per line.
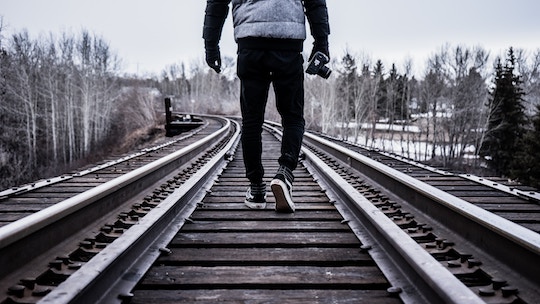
<point x="284" y="201"/>
<point x="255" y="205"/>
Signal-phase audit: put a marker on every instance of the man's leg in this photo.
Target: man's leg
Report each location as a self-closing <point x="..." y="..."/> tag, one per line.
<point x="288" y="80"/>
<point x="289" y="89"/>
<point x="254" y="86"/>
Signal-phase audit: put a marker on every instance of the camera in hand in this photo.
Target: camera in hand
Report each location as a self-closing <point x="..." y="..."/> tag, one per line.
<point x="317" y="66"/>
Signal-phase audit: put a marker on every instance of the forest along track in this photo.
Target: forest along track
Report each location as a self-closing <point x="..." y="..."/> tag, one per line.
<point x="39" y="250"/>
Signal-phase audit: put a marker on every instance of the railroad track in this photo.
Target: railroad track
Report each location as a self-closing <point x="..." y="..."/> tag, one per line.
<point x="351" y="240"/>
<point x="21" y="201"/>
<point x="478" y="246"/>
<point x="49" y="218"/>
<point x="517" y="203"/>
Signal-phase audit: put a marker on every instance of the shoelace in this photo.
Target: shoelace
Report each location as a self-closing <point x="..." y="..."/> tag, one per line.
<point x="286" y="172"/>
<point x="258" y="189"/>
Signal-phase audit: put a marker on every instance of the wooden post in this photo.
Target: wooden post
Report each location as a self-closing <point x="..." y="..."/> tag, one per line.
<point x="168" y="111"/>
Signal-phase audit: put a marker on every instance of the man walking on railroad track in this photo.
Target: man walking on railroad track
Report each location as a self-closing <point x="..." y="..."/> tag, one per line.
<point x="270" y="36"/>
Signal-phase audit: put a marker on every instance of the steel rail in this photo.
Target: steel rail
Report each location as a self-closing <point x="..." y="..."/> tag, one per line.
<point x="500" y="237"/>
<point x="24" y="239"/>
<point x="110" y="276"/>
<point x="58" y="179"/>
<point x="528" y="195"/>
<point x="407" y="266"/>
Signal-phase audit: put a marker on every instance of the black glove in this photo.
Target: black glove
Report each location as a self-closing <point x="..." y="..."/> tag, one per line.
<point x="213" y="57"/>
<point x="320" y="45"/>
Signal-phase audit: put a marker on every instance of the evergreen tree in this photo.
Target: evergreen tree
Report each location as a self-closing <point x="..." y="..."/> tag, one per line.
<point x="381" y="94"/>
<point x="506" y="124"/>
<point x="347" y="86"/>
<point x="526" y="165"/>
<point x="397" y="95"/>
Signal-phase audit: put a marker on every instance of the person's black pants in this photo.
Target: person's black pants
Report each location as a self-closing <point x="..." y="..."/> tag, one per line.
<point x="256" y="70"/>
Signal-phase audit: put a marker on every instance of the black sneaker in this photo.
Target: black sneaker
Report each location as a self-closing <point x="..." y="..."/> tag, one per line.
<point x="256" y="196"/>
<point x="282" y="188"/>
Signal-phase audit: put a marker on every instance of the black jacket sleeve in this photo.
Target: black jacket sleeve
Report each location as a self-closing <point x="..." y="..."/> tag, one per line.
<point x="214" y="18"/>
<point x="317" y="16"/>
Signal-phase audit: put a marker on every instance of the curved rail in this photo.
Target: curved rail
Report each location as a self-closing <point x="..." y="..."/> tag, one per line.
<point x="500" y="237"/>
<point x="58" y="179"/>
<point x="530" y="195"/>
<point x="517" y="203"/>
<point x="24" y="239"/>
<point x="103" y="278"/>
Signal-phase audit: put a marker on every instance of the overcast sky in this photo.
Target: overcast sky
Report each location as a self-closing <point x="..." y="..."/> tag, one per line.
<point x="148" y="35"/>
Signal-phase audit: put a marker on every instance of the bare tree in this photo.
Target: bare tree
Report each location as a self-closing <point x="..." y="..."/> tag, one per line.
<point x="467" y="97"/>
<point x="58" y="96"/>
<point x="320" y="104"/>
<point x="528" y="67"/>
<point x="21" y="89"/>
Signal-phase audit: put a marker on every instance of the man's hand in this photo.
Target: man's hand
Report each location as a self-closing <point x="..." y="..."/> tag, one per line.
<point x="213" y="56"/>
<point x="320" y="45"/>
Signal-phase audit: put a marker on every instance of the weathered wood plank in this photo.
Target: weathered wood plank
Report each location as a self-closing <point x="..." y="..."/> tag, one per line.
<point x="225" y="205"/>
<point x="466" y="194"/>
<point x="277" y="239"/>
<point x="236" y="192"/>
<point x="500" y="207"/>
<point x="465" y="188"/>
<point x="493" y="200"/>
<point x="57" y="196"/>
<point x="276" y="226"/>
<point x="270" y="198"/>
<point x="302" y="296"/>
<point x="268" y="276"/>
<point x="534" y="227"/>
<point x="229" y="182"/>
<point x="267" y="256"/>
<point x="27" y="200"/>
<point x="520" y="217"/>
<point x="5" y="208"/>
<point x="13" y="216"/>
<point x="266" y="214"/>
